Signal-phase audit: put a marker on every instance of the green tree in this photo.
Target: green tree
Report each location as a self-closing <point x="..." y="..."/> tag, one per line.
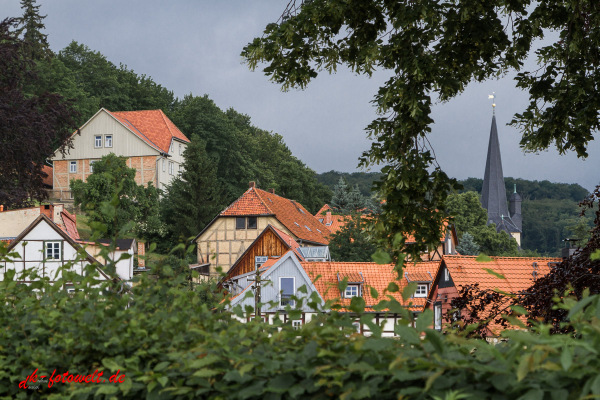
<point x="471" y="218"/>
<point x="468" y="246"/>
<point x="31" y="26"/>
<point x="352" y="242"/>
<point x="433" y="50"/>
<point x="467" y="211"/>
<point x="113" y="182"/>
<point x="32" y="126"/>
<point x="194" y="198"/>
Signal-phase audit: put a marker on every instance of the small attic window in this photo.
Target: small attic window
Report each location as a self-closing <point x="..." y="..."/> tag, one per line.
<point x="297" y="224"/>
<point x="321" y="220"/>
<point x="299" y="209"/>
<point x="319" y="230"/>
<point x="306" y="226"/>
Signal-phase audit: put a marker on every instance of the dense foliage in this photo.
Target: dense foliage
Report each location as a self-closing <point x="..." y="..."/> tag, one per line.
<point x="433" y="50"/>
<point x="364" y="180"/>
<point x="166" y="339"/>
<point x="352" y="242"/>
<point x="192" y="199"/>
<point x="469" y="217"/>
<point x="32" y="126"/>
<point x="113" y="182"/>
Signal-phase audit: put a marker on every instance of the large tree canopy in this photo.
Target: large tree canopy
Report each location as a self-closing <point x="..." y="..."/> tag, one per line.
<point x="434" y="49"/>
<point x="32" y="127"/>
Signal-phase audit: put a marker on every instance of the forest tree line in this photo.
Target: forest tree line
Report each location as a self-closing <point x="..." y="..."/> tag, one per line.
<point x="550" y="210"/>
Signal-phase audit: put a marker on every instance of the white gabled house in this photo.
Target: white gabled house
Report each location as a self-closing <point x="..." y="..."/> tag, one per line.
<point x="44" y="247"/>
<point x="283" y="276"/>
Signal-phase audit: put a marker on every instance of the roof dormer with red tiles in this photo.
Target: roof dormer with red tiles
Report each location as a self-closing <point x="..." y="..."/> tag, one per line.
<point x="228" y="235"/>
<point x="152" y="144"/>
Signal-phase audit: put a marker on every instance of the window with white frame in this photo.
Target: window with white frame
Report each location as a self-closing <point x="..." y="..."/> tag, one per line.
<point x="287" y="290"/>
<point x="52" y="250"/>
<point x="352" y="291"/>
<point x="92" y="162"/>
<point x="356" y="326"/>
<point x="260" y="260"/>
<point x="421" y="290"/>
<point x="164" y="162"/>
<point x="171" y="166"/>
<point x="72" y="166"/>
<point x="437" y="316"/>
<point x="108" y="141"/>
<point x="297" y="324"/>
<point x="446" y="275"/>
<point x="97" y="141"/>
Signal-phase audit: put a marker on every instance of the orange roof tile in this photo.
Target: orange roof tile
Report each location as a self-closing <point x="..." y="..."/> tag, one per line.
<point x="152" y="126"/>
<point x="375" y="276"/>
<point x="290" y="213"/>
<point x="518" y="271"/>
<point x="69" y="222"/>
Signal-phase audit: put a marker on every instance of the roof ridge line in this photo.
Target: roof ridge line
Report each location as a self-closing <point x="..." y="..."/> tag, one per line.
<point x="261" y="199"/>
<point x="136" y="129"/>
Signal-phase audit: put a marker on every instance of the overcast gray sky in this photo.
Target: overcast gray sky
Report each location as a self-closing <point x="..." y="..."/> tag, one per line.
<point x="194" y="47"/>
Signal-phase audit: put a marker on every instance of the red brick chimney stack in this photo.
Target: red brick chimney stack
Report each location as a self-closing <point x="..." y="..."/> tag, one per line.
<point x="272" y="190"/>
<point x="328" y="219"/>
<point x="252" y="184"/>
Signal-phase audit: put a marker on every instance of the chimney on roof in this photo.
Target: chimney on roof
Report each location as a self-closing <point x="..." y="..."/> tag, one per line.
<point x="328" y="219"/>
<point x="272" y="190"/>
<point x="252" y="184"/>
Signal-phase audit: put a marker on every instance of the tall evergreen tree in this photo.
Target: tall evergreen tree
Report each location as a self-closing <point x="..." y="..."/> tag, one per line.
<point x="195" y="197"/>
<point x="30" y="28"/>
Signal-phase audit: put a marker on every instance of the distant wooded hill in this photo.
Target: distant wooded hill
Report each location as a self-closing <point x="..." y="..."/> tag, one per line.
<point x="242" y="151"/>
<point x="550" y="210"/>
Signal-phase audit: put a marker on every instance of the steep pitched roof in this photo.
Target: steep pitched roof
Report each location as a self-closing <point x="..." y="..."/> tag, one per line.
<point x="296" y="218"/>
<point x="371" y="275"/>
<point x="69" y="224"/>
<point x="493" y="191"/>
<point x="152" y="126"/>
<point x="43" y="218"/>
<point x="518" y="271"/>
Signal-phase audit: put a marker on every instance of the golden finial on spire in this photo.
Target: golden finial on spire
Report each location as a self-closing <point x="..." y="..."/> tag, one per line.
<point x="493" y="98"/>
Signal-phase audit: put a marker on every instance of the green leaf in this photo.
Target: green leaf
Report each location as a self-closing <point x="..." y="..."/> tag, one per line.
<point x="163" y="380"/>
<point x="496" y="274"/>
<point x="392" y="287"/>
<point x="162" y="365"/>
<point x="595" y="256"/>
<point x="483" y="258"/>
<point x="424" y="320"/>
<point x="566" y="358"/>
<point x="374" y="293"/>
<point x="107" y="389"/>
<point x="206" y="373"/>
<point x="409" y="290"/>
<point x="381" y="257"/>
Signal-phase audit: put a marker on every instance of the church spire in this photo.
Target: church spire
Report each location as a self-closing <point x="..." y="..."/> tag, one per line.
<point x="493" y="192"/>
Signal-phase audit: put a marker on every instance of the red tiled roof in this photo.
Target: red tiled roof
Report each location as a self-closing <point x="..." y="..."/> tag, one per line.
<point x="323" y="210"/>
<point x="69" y="222"/>
<point x="375" y="275"/>
<point x="152" y="126"/>
<point x="290" y="213"/>
<point x="518" y="271"/>
<point x="287" y="239"/>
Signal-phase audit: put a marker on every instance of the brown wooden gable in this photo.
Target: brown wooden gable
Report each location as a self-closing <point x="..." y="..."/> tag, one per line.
<point x="267" y="244"/>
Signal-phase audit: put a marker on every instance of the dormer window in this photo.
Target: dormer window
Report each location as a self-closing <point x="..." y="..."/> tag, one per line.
<point x="421" y="290"/>
<point x="352" y="291"/>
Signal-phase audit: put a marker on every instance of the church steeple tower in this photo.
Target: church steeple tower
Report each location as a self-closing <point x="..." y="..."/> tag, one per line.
<point x="493" y="192"/>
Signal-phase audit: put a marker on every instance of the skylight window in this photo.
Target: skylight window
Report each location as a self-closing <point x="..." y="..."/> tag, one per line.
<point x="306" y="226"/>
<point x="297" y="223"/>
